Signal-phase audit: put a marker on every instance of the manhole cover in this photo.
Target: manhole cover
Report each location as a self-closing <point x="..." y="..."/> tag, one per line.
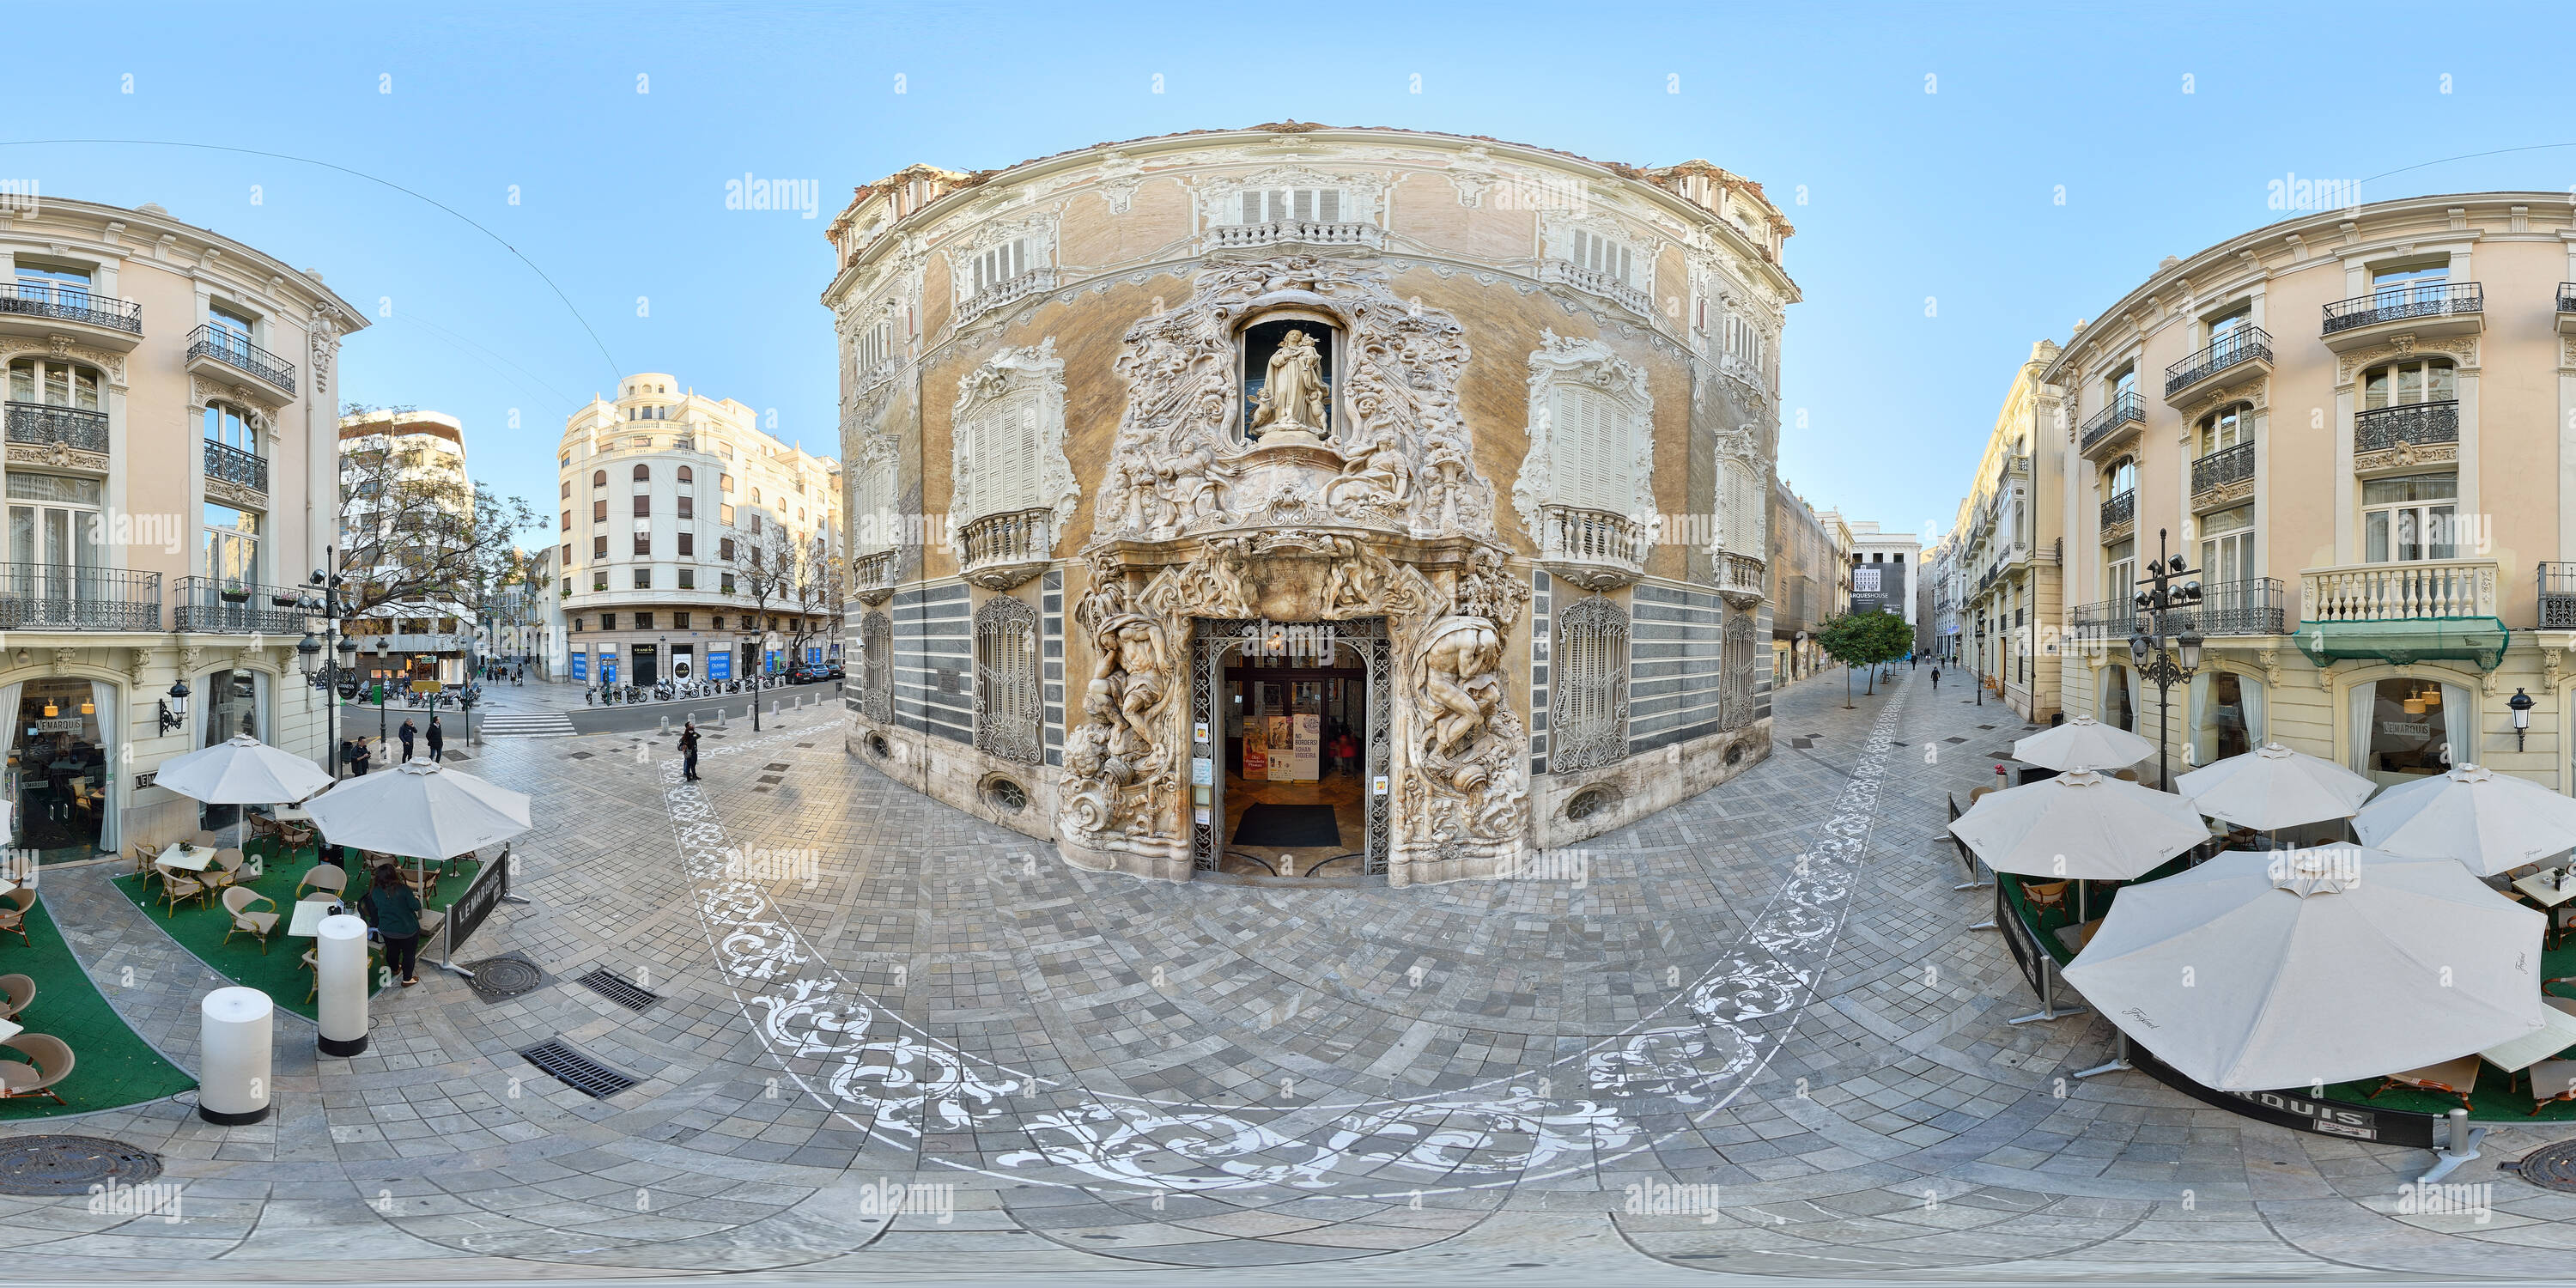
<point x="496" y="978"/>
<point x="43" y="1166"/>
<point x="2551" y="1167"/>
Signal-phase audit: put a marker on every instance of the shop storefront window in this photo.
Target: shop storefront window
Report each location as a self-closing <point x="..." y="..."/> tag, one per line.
<point x="60" y="765"/>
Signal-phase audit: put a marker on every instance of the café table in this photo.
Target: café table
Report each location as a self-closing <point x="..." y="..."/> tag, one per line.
<point x="2545" y="888"/>
<point x="9" y="1030"/>
<point x="186" y="857"/>
<point x="7" y="885"/>
<point x="2556" y="1033"/>
<point x="307" y="920"/>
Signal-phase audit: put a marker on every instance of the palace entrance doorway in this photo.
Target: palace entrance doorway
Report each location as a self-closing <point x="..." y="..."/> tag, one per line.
<point x="1289" y="748"/>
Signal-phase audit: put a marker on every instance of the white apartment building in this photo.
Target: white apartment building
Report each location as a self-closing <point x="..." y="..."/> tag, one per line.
<point x="425" y="635"/>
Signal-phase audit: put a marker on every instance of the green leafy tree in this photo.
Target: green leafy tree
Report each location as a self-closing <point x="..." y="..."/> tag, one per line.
<point x="1865" y="640"/>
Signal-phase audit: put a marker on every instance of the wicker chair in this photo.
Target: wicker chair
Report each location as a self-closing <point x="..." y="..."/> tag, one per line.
<point x="322" y="879"/>
<point x="51" y="1062"/>
<point x="14" y="907"/>
<point x="177" y="885"/>
<point x="17" y="992"/>
<point x="238" y="901"/>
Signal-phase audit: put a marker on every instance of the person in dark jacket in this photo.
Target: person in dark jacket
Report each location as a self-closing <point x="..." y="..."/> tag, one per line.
<point x="437" y="739"/>
<point x="689" y="752"/>
<point x="358" y="760"/>
<point x="396" y="912"/>
<point x="409" y="731"/>
<point x="1936" y="677"/>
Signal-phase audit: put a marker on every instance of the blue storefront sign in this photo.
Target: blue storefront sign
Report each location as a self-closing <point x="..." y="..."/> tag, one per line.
<point x="813" y="655"/>
<point x="720" y="664"/>
<point x="608" y="668"/>
<point x="774" y="656"/>
<point x="581" y="666"/>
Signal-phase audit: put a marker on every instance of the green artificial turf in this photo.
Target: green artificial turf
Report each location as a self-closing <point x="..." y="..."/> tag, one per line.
<point x="111" y="1066"/>
<point x="200" y="925"/>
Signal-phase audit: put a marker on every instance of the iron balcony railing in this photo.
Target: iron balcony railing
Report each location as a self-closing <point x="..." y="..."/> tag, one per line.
<point x="2385" y="427"/>
<point x="44" y="423"/>
<point x="233" y="465"/>
<point x="2567" y="297"/>
<point x="2109" y="619"/>
<point x="221" y="605"/>
<point x="53" y="596"/>
<point x="2222" y="467"/>
<point x="2124" y="408"/>
<point x="2244" y="344"/>
<point x="2557" y="596"/>
<point x="2119" y="509"/>
<point x="2398" y="303"/>
<point x="2255" y="606"/>
<point x="71" y="304"/>
<point x="241" y="354"/>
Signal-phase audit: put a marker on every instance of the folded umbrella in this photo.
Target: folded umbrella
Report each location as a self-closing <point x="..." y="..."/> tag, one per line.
<point x="2274" y="787"/>
<point x="2488" y="821"/>
<point x="2083" y="743"/>
<point x="2259" y="971"/>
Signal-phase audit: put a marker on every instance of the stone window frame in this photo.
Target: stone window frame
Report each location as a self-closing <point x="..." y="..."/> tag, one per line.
<point x="1032" y="373"/>
<point x="1571" y="360"/>
<point x="1588" y="685"/>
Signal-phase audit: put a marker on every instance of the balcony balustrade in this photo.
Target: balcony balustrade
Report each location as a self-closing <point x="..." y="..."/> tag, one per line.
<point x="2222" y="467"/>
<point x="1000" y="551"/>
<point x="2416" y="590"/>
<point x="2237" y="348"/>
<point x="1607" y="286"/>
<point x="53" y="302"/>
<point x="1006" y="292"/>
<point x="1594" y="549"/>
<point x="2557" y="596"/>
<point x="223" y="606"/>
<point x="2114" y="423"/>
<point x="2415" y="424"/>
<point x="37" y="597"/>
<point x="1295" y="232"/>
<point x="2119" y="510"/>
<point x="233" y="465"/>
<point x="45" y="424"/>
<point x="206" y="345"/>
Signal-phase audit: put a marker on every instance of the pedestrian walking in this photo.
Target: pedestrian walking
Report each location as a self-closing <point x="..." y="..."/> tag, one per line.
<point x="437" y="740"/>
<point x="1936" y="677"/>
<point x="391" y="904"/>
<point x="409" y="732"/>
<point x="689" y="752"/>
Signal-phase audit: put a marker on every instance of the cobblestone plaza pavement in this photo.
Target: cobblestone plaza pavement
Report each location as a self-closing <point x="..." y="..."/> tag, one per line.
<point x="1754" y="1039"/>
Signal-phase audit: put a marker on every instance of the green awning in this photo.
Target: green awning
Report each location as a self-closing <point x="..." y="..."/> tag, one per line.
<point x="2472" y="639"/>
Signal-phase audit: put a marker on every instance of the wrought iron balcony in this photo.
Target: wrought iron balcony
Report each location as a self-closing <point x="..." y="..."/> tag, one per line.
<point x="1005" y="292"/>
<point x="77" y="428"/>
<point x="36" y="597"/>
<point x="223" y="606"/>
<point x="1606" y="285"/>
<point x="2382" y="428"/>
<point x="2256" y="606"/>
<point x="208" y="344"/>
<point x="2250" y="344"/>
<point x="1000" y="551"/>
<point x="2222" y="467"/>
<point x="1295" y="232"/>
<point x="63" y="303"/>
<point x="233" y="465"/>
<point x="2557" y="596"/>
<point x="1594" y="549"/>
<point x="2111" y="619"/>
<point x="2125" y="412"/>
<point x="2119" y="509"/>
<point x="2414" y="302"/>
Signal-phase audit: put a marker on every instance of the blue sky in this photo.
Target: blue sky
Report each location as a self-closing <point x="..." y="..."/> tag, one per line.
<point x="1903" y="198"/>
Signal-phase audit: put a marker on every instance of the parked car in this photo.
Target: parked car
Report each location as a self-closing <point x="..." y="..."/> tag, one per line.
<point x="805" y="674"/>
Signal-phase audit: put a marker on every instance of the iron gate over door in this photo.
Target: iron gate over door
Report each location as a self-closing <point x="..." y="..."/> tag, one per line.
<point x="1213" y="641"/>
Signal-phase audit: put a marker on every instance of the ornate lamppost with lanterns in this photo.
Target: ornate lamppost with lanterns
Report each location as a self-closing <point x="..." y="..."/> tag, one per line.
<point x="2166" y="592"/>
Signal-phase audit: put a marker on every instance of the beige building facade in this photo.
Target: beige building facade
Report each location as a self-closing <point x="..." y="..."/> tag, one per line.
<point x="2353" y="426"/>
<point x="665" y="496"/>
<point x="1171" y="459"/>
<point x="171" y="484"/>
<point x="2006" y="577"/>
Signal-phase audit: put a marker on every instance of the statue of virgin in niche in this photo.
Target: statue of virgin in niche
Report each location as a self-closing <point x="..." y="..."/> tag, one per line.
<point x="1293" y="395"/>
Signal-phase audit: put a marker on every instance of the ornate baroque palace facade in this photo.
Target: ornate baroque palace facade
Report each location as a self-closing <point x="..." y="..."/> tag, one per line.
<point x="1310" y="501"/>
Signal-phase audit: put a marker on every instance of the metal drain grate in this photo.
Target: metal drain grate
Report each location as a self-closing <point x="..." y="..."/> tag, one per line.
<point x="45" y="1166"/>
<point x="576" y="1069"/>
<point x="775" y="766"/>
<point x="500" y="978"/>
<point x="617" y="988"/>
<point x="2551" y="1167"/>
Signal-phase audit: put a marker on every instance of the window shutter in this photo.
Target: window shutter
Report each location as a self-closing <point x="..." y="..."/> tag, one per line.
<point x="1278" y="206"/>
<point x="1623" y="265"/>
<point x="1328" y="206"/>
<point x="1252" y="207"/>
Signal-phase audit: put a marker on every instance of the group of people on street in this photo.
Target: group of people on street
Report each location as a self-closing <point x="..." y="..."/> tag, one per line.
<point x="512" y="674"/>
<point x="358" y="756"/>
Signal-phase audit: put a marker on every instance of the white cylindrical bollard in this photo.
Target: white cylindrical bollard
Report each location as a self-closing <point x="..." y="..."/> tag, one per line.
<point x="236" y="1026"/>
<point x="340" y="951"/>
<point x="666" y="724"/>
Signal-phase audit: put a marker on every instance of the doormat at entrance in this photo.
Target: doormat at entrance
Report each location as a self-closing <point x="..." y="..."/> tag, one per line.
<point x="1288" y="825"/>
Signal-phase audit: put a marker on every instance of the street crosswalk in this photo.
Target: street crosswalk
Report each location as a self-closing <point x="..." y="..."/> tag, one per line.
<point x="533" y="724"/>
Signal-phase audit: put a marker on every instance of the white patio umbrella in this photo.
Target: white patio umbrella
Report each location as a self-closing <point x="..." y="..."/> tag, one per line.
<point x="241" y="770"/>
<point x="2489" y="821"/>
<point x="2257" y="971"/>
<point x="419" y="808"/>
<point x="2275" y="787"/>
<point x="2080" y="826"/>
<point x="2083" y="743"/>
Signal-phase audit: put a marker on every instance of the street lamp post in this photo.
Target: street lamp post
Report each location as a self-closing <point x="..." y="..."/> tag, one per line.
<point x="329" y="655"/>
<point x="2165" y="593"/>
<point x="381" y="687"/>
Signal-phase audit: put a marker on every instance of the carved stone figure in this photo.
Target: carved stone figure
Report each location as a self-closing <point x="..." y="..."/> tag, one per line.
<point x="1293" y="395"/>
<point x="1461" y="684"/>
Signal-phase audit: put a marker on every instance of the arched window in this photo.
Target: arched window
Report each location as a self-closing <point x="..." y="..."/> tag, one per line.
<point x="876" y="667"/>
<point x="755" y="496"/>
<point x="687" y="475"/>
<point x="643" y="473"/>
<point x="2225" y="428"/>
<point x="232" y="427"/>
<point x="54" y="383"/>
<point x="1007" y="692"/>
<point x="599" y="478"/>
<point x="2121" y="478"/>
<point x="1590" y="724"/>
<point x="1736" y="660"/>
